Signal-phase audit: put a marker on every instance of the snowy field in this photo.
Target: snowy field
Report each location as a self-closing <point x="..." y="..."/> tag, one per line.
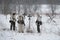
<point x="11" y="35"/>
<point x="49" y="30"/>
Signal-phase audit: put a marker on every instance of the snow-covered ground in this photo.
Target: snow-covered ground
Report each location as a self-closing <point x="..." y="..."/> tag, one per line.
<point x="49" y="31"/>
<point x="11" y="35"/>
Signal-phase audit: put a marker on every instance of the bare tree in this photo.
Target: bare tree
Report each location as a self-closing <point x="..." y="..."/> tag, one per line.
<point x="5" y="9"/>
<point x="53" y="14"/>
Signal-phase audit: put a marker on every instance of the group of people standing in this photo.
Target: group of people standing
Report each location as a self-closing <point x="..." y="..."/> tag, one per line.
<point x="21" y="23"/>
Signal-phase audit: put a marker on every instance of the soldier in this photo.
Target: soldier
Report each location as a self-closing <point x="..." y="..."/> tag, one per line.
<point x="38" y="22"/>
<point x="21" y="24"/>
<point x="12" y="21"/>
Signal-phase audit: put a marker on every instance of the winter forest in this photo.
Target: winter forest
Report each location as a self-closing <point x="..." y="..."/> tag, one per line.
<point x="29" y="20"/>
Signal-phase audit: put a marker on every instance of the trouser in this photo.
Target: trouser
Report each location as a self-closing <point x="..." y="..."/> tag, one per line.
<point x="38" y="28"/>
<point x="12" y="26"/>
